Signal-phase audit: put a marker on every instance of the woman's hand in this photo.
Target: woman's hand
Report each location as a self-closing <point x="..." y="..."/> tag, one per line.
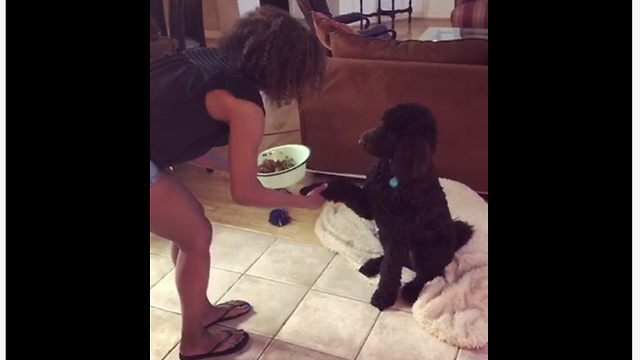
<point x="314" y="199"/>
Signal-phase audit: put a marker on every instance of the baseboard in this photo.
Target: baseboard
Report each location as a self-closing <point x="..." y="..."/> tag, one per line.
<point x="212" y="34"/>
<point x="355" y="176"/>
<point x="439" y="18"/>
<point x="483" y="194"/>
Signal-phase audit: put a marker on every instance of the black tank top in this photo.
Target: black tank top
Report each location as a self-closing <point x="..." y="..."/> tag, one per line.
<point x="180" y="126"/>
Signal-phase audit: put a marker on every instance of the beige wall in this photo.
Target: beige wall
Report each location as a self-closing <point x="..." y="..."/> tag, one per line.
<point x="421" y="8"/>
<point x="217" y="15"/>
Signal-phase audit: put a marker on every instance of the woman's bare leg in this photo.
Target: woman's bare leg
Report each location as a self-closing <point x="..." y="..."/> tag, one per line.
<point x="176" y="215"/>
<point x="211" y="312"/>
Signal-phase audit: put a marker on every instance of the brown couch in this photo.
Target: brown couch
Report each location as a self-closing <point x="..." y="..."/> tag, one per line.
<point x="367" y="76"/>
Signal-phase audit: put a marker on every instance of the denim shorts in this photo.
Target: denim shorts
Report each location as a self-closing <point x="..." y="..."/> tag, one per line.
<point x="155" y="173"/>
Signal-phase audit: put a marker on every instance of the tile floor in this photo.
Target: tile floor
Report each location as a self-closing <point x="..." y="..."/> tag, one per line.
<point x="308" y="305"/>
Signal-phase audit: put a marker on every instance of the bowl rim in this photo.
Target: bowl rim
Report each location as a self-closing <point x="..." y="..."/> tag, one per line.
<point x="289" y="169"/>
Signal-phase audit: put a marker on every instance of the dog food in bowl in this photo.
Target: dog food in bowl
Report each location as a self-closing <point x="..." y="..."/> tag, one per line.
<point x="271" y="166"/>
<point x="287" y="167"/>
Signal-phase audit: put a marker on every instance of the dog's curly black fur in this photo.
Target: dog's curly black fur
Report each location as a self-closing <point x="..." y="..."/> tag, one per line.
<point x="415" y="225"/>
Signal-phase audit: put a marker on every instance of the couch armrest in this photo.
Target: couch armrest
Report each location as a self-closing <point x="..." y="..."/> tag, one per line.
<point x="357" y="92"/>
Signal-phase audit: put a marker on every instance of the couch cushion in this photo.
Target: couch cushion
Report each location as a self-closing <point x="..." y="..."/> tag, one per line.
<point x="463" y="51"/>
<point x="325" y="26"/>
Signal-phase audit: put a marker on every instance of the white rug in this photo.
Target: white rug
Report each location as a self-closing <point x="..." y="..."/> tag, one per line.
<point x="453" y="308"/>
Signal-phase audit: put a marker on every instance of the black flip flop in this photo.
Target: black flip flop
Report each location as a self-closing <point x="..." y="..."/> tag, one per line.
<point x="234" y="304"/>
<point x="213" y="352"/>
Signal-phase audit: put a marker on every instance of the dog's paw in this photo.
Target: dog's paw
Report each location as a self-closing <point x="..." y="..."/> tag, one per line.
<point x="336" y="190"/>
<point x="383" y="299"/>
<point x="333" y="192"/>
<point x="371" y="268"/>
<point x="410" y="293"/>
<point x="307" y="189"/>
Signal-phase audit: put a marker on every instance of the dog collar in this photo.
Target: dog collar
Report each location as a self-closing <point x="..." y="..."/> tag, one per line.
<point x="393" y="182"/>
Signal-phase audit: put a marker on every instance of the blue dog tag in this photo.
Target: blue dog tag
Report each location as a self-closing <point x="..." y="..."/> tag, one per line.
<point x="393" y="182"/>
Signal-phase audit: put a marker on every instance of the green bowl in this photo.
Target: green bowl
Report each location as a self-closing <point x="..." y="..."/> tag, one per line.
<point x="289" y="177"/>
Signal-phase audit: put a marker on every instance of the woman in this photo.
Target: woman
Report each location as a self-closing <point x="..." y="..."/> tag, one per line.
<point x="204" y="98"/>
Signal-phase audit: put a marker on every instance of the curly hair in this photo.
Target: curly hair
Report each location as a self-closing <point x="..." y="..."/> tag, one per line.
<point x="277" y="53"/>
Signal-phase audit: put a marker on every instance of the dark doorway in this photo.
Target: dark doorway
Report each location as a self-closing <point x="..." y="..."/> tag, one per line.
<point x="282" y="4"/>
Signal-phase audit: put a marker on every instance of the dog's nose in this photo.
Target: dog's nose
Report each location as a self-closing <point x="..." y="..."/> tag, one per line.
<point x="360" y="142"/>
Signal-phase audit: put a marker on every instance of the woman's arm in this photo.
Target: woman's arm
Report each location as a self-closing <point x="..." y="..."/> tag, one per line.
<point x="246" y="121"/>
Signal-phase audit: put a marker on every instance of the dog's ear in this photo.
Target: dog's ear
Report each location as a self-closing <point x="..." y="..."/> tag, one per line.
<point x="411" y="159"/>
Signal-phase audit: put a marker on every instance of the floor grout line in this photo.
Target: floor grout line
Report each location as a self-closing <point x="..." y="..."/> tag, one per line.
<point x="272" y="339"/>
<point x="294" y="310"/>
<point x="159" y="254"/>
<point x="340" y="296"/>
<point x="298" y="306"/>
<point x="283" y="281"/>
<point x="244" y="230"/>
<point x="282" y="132"/>
<point x="163" y="309"/>
<point x="304" y="297"/>
<point x="266" y="347"/>
<point x="368" y="335"/>
<point x="261" y="255"/>
<point x="162" y="278"/>
<point x="172" y="348"/>
<point x="267" y="234"/>
<point x="229" y="288"/>
<point x="322" y="272"/>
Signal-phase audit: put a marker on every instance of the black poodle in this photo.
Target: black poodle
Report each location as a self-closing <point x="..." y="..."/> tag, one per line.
<point x="404" y="197"/>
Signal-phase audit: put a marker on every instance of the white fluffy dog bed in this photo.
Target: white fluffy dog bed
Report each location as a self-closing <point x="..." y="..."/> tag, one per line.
<point x="453" y="308"/>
